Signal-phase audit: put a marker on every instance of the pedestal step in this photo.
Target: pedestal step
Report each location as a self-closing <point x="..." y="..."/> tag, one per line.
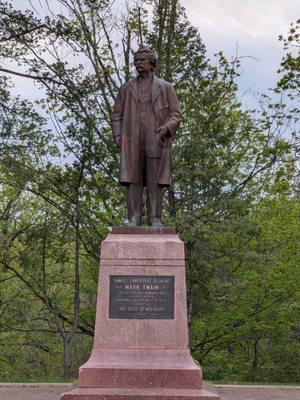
<point x="140" y="368"/>
<point x="138" y="394"/>
<point x="137" y="378"/>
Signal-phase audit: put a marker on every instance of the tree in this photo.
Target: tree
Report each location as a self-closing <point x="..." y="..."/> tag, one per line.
<point x="255" y="304"/>
<point x="229" y="166"/>
<point x="69" y="173"/>
<point x="226" y="159"/>
<point x="289" y="71"/>
<point x="290" y="65"/>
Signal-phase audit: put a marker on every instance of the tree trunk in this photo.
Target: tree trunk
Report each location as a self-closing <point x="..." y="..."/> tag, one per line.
<point x="172" y="202"/>
<point x="190" y="305"/>
<point x="66" y="365"/>
<point x="255" y="360"/>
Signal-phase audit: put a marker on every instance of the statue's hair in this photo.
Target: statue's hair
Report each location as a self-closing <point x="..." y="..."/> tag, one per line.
<point x="153" y="56"/>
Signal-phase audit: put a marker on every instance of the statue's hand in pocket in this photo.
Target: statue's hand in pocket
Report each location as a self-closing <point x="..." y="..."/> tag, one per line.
<point x="162" y="132"/>
<point x="119" y="141"/>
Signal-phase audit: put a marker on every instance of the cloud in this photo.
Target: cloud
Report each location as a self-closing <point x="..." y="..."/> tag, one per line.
<point x="253" y="25"/>
<point x="252" y="18"/>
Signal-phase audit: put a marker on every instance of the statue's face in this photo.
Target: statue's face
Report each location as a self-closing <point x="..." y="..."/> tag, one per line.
<point x="142" y="62"/>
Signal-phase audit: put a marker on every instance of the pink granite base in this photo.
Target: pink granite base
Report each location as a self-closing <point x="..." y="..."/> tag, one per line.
<point x="140" y="369"/>
<point x="138" y="394"/>
<point x="141" y="359"/>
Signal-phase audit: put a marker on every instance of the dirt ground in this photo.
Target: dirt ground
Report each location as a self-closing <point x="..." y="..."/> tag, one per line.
<point x="227" y="392"/>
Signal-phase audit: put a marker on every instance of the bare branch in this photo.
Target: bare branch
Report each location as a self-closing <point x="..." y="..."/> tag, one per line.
<point x="35" y="77"/>
<point x="21" y="34"/>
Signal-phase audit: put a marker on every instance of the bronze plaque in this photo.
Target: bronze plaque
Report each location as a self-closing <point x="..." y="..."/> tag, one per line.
<point x="141" y="297"/>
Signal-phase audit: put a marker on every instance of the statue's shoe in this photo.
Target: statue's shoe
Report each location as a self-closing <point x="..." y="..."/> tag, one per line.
<point x="156" y="222"/>
<point x="135" y="221"/>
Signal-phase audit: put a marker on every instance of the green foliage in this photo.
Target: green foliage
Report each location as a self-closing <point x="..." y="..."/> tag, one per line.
<point x="233" y="199"/>
<point x="290" y="65"/>
<point x="255" y="302"/>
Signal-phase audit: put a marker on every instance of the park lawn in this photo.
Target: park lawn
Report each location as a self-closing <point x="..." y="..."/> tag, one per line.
<point x="38" y="379"/>
<point x="60" y="379"/>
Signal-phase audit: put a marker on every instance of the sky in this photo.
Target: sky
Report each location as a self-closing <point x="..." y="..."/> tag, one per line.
<point x="248" y="27"/>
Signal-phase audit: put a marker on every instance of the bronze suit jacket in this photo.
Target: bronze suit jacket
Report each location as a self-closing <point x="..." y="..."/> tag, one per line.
<point x="125" y="122"/>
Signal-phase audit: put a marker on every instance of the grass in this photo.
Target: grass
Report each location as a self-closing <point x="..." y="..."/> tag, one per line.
<point x="60" y="379"/>
<point x="38" y="379"/>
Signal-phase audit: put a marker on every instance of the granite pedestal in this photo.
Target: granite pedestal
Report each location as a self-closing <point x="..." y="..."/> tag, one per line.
<point x="141" y="338"/>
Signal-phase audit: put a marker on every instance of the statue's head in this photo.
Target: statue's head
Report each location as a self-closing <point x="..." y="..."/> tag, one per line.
<point x="147" y="55"/>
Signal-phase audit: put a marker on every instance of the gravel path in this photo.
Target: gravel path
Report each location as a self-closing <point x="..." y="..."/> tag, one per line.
<point x="227" y="392"/>
<point x="29" y="392"/>
<point x="241" y="392"/>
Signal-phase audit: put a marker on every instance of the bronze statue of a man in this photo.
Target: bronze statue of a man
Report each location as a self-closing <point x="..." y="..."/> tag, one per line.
<point x="144" y="120"/>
